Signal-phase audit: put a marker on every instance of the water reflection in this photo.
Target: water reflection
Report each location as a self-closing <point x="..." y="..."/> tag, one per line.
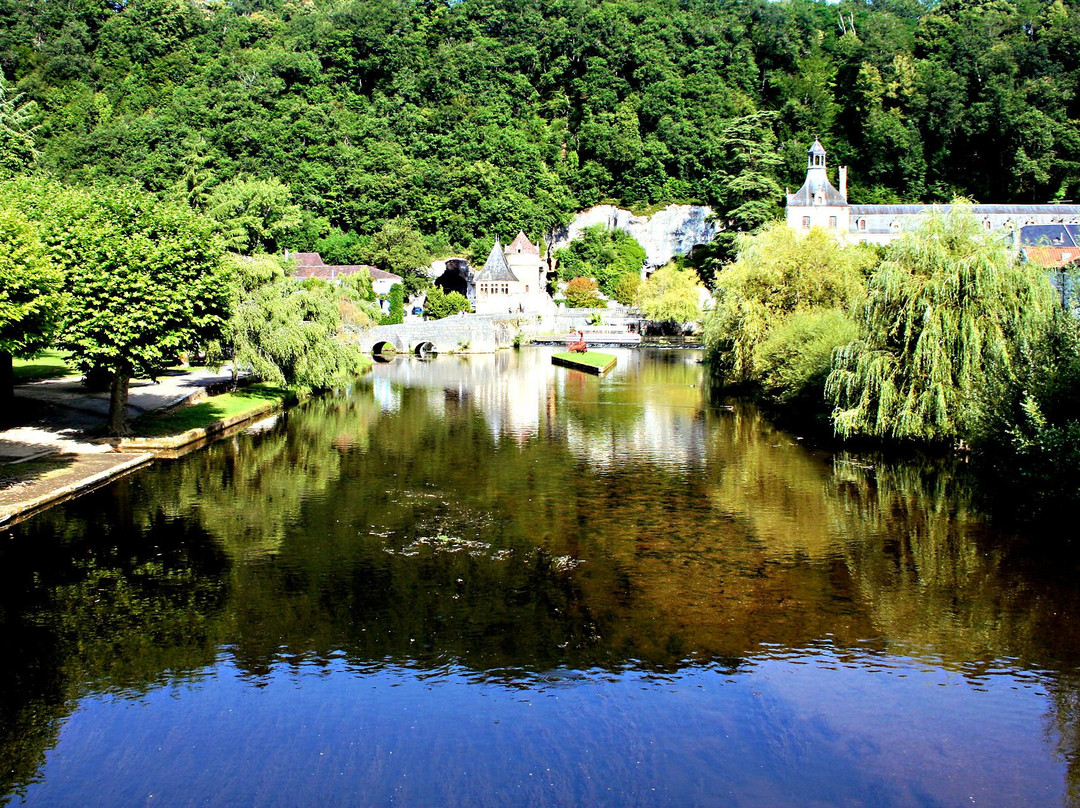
<point x="495" y="522"/>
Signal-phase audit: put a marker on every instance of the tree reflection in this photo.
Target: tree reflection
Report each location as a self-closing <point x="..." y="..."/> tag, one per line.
<point x="436" y="526"/>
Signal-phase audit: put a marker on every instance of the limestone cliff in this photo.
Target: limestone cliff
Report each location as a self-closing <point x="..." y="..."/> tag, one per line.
<point x="675" y="230"/>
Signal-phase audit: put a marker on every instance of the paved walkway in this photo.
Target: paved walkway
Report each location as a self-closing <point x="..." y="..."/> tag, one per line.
<point x="58" y="451"/>
<point x="60" y="415"/>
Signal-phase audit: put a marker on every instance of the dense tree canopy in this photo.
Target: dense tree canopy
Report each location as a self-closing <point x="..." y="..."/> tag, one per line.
<point x="782" y="281"/>
<point x="606" y="256"/>
<point x="288" y="333"/>
<point x="671" y="295"/>
<point x="29" y="295"/>
<point x="481" y="116"/>
<point x="143" y="280"/>
<point x="950" y="321"/>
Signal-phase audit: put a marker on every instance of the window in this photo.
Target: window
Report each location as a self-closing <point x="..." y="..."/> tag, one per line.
<point x="832" y="222"/>
<point x="862" y="224"/>
<point x="806" y="222"/>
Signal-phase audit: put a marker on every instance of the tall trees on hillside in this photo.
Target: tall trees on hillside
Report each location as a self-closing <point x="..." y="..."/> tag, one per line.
<point x="488" y="116"/>
<point x="18" y="149"/>
<point x="606" y="256"/>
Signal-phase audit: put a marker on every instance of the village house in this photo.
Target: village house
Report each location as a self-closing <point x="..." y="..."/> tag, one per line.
<point x="513" y="281"/>
<point x="310" y="265"/>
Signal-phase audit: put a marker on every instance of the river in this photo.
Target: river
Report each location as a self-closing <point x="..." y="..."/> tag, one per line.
<point x="485" y="580"/>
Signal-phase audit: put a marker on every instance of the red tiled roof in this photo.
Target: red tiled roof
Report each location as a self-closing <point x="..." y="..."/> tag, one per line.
<point x="329" y="273"/>
<point x="310" y="265"/>
<point x="1052" y="256"/>
<point x="522" y="244"/>
<point x="383" y="275"/>
<point x="308" y="259"/>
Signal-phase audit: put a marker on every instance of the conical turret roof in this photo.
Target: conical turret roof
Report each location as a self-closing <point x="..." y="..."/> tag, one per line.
<point x="495" y="267"/>
<point x="816" y="190"/>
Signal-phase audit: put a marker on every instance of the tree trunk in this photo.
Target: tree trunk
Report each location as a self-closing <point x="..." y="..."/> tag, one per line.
<point x="7" y="391"/>
<point x="118" y="398"/>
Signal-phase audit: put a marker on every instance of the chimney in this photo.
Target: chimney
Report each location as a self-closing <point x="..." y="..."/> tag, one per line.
<point x="843" y="182"/>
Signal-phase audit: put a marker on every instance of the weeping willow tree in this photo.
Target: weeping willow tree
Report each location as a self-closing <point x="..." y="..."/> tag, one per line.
<point x="950" y="319"/>
<point x="287" y="333"/>
<point x="782" y="307"/>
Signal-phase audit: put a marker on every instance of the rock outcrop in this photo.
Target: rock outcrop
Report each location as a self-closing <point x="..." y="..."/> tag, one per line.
<point x="675" y="230"/>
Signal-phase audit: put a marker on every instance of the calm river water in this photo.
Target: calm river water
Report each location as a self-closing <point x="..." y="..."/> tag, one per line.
<point x="488" y="581"/>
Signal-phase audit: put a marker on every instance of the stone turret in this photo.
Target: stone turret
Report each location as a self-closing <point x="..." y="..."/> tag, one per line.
<point x="817" y="203"/>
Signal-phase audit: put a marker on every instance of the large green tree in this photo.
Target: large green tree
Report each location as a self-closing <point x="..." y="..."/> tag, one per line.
<point x="950" y="321"/>
<point x="143" y="279"/>
<point x="290" y="333"/>
<point x="256" y="215"/>
<point x="780" y="275"/>
<point x="671" y="295"/>
<point x="30" y="299"/>
<point x="18" y="147"/>
<point x="604" y="255"/>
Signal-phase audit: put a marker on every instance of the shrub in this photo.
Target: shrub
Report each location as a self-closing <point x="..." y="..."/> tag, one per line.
<point x="396" y="298"/>
<point x="794" y="360"/>
<point x="582" y="293"/>
<point x="440" y="304"/>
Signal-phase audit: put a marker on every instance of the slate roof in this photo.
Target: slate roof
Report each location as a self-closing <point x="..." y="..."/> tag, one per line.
<point x="495" y="267"/>
<point x="987" y="210"/>
<point x="521" y="244"/>
<point x="1050" y="235"/>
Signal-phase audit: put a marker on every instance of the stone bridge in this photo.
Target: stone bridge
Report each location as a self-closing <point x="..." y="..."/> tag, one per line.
<point x="472" y="333"/>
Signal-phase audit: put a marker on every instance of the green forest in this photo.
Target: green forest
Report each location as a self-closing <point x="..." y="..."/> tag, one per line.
<point x="469" y="118"/>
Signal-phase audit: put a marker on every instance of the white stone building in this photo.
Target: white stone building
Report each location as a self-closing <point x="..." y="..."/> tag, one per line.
<point x="819" y="204"/>
<point x="513" y="281"/>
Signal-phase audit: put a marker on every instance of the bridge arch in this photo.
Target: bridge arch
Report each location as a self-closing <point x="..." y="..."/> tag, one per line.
<point x="425" y="348"/>
<point x="385" y="346"/>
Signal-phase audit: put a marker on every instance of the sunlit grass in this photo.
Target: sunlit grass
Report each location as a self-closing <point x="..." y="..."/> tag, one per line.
<point x="590" y="358"/>
<point x="209" y="412"/>
<point x="49" y="365"/>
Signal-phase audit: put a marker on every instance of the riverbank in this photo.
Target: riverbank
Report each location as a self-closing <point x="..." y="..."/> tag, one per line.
<point x="56" y="449"/>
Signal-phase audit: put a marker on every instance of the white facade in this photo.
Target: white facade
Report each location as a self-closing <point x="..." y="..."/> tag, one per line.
<point x="818" y="204"/>
<point x="513" y="281"/>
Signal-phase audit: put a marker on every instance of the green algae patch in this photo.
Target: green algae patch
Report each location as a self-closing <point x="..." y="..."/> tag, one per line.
<point x="590" y="361"/>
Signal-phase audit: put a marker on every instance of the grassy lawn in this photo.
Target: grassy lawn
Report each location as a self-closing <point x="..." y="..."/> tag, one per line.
<point x="205" y="413"/>
<point x="50" y="365"/>
<point x="591" y="358"/>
